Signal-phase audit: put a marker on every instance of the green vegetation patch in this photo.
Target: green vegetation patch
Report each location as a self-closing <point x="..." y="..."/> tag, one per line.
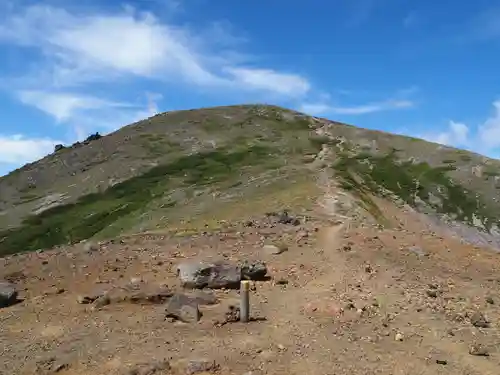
<point x="93" y="212"/>
<point x="491" y="172"/>
<point x="409" y="181"/>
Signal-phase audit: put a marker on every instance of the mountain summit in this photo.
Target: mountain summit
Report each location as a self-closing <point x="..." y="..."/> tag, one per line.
<point x="236" y="160"/>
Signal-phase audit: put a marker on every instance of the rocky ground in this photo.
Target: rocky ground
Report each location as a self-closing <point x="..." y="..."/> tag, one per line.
<point x="336" y="299"/>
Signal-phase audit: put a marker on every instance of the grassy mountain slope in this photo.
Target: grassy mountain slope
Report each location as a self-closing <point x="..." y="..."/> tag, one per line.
<point x="199" y="166"/>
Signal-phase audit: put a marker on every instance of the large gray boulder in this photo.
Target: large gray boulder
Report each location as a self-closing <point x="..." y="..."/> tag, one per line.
<point x="8" y="294"/>
<point x="219" y="274"/>
<point x="214" y="275"/>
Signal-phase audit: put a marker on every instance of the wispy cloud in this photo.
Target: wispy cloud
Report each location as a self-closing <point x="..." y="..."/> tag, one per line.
<point x="64" y="106"/>
<point x="82" y="49"/>
<point x="323" y="108"/>
<point x="266" y="79"/>
<point x="87" y="113"/>
<point x="87" y="47"/>
<point x="90" y="47"/>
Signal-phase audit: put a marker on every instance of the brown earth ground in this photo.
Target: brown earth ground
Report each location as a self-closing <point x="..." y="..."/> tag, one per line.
<point x="358" y="300"/>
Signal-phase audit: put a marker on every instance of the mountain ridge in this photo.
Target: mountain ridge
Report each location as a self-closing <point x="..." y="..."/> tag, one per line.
<point x="119" y="181"/>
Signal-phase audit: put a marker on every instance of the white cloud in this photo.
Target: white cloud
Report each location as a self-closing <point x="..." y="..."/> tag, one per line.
<point x="270" y="80"/>
<point x="483" y="138"/>
<point x="373" y="107"/>
<point x="323" y="108"/>
<point x="87" y="114"/>
<point x="64" y="106"/>
<point x="92" y="47"/>
<point x="17" y="149"/>
<point x="82" y="50"/>
<point x="456" y="134"/>
<point x="489" y="131"/>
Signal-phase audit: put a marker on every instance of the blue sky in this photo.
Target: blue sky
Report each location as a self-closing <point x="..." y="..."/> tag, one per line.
<point x="423" y="68"/>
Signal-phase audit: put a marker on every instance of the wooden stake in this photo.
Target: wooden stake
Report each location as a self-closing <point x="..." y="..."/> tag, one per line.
<point x="245" y="301"/>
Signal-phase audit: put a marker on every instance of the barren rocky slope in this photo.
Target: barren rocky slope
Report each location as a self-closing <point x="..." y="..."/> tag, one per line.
<point x="339" y="300"/>
<point x="385" y="263"/>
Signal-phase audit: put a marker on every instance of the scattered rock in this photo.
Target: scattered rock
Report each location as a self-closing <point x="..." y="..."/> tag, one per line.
<point x="215" y="275"/>
<point x="490" y="300"/>
<point x="49" y="366"/>
<point x="233" y="314"/>
<point x="284" y="218"/>
<point x="8" y="294"/>
<point x="149" y="368"/>
<point x="85" y="299"/>
<point x="201" y="365"/>
<point x="183" y="308"/>
<point x="478" y="350"/>
<point x="441" y="361"/>
<point x="15" y="277"/>
<point x="432" y="293"/>
<point x="253" y="270"/>
<point x="479" y="320"/>
<point x="399" y="337"/>
<point x="347" y="247"/>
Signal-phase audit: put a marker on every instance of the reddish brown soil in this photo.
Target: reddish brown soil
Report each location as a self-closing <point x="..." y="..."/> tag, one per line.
<point x="358" y="301"/>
